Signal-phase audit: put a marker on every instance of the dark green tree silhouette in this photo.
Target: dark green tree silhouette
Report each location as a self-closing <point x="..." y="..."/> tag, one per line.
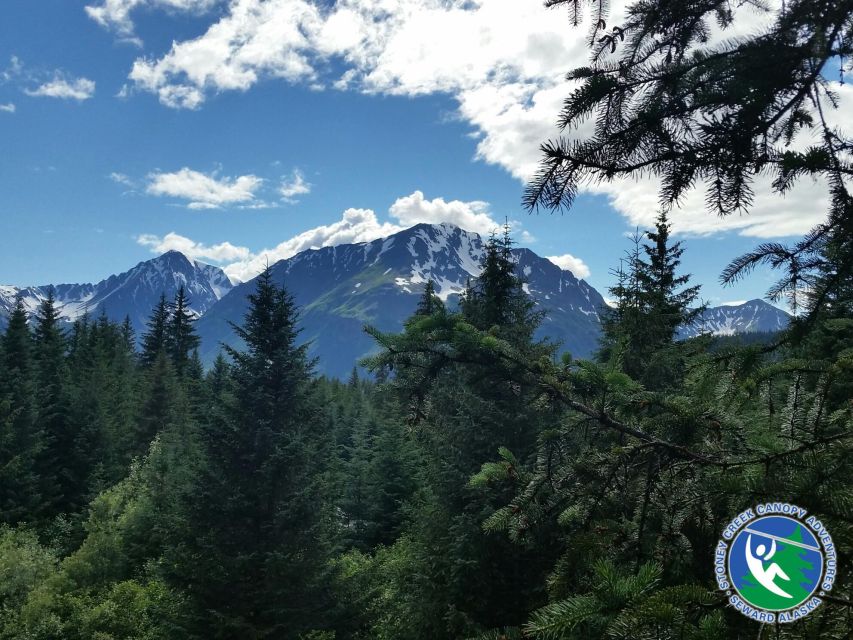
<point x="53" y="410"/>
<point x="181" y="339"/>
<point x="21" y="439"/>
<point x="156" y="337"/>
<point x="670" y="102"/>
<point x="255" y="562"/>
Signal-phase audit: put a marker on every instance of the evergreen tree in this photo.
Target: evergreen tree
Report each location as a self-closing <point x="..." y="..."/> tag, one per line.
<point x="663" y="293"/>
<point x="102" y="390"/>
<point x="464" y="405"/>
<point x="52" y="409"/>
<point x="128" y="334"/>
<point x="180" y="338"/>
<point x="255" y="563"/>
<point x="657" y="80"/>
<point x="652" y="302"/>
<point x="156" y="337"/>
<point x="21" y="440"/>
<point x="353" y="378"/>
<point x="429" y="303"/>
<point x="158" y="403"/>
<point x="497" y="299"/>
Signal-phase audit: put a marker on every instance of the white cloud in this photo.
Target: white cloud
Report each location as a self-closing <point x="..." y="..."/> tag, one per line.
<point x="64" y="88"/>
<point x="383" y="43"/>
<point x="471" y="216"/>
<point x="121" y="178"/>
<point x="7" y="108"/>
<point x="255" y="39"/>
<point x="569" y="262"/>
<point x="115" y="14"/>
<point x="293" y="186"/>
<point x="15" y="69"/>
<point x="205" y="191"/>
<point x="504" y="63"/>
<point x="222" y="252"/>
<point x="355" y="225"/>
<point x="733" y="303"/>
<point x="771" y="215"/>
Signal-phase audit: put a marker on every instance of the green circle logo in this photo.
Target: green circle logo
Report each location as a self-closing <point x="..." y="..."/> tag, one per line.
<point x="775" y="563"/>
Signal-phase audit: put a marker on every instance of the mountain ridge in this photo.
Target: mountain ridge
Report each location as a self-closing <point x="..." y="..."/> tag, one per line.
<point x="132" y="293"/>
<point x="341" y="288"/>
<point x="748" y="317"/>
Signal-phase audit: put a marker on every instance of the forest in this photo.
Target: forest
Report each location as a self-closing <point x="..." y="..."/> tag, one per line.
<point x="468" y="481"/>
<point x="471" y="484"/>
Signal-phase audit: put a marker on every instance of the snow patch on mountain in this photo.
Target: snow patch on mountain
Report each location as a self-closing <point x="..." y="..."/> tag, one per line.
<point x="132" y="293"/>
<point x="730" y="319"/>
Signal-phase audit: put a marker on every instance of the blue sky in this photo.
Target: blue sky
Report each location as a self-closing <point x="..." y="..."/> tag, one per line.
<point x="244" y="130"/>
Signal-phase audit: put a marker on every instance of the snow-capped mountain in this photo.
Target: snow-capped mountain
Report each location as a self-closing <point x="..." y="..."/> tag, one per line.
<point x="749" y="317"/>
<point x="132" y="293"/>
<point x="342" y="288"/>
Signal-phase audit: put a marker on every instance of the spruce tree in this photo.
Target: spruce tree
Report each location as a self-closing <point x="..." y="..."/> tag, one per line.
<point x="52" y="409"/>
<point x="180" y="338"/>
<point x="652" y="301"/>
<point x="128" y="334"/>
<point x="429" y="303"/>
<point x="21" y="439"/>
<point x="663" y="293"/>
<point x="496" y="300"/>
<point x="158" y="404"/>
<point x="255" y="562"/>
<point x="465" y="404"/>
<point x="711" y="112"/>
<point x="155" y="338"/>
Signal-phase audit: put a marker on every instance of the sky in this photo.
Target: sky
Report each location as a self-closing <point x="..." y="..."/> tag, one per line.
<point x="244" y="131"/>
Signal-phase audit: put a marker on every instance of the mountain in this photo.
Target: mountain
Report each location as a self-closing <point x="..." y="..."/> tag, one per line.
<point x="132" y="293"/>
<point x="342" y="288"/>
<point x="750" y="317"/>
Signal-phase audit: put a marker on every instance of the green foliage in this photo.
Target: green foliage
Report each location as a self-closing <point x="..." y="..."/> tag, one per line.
<point x="629" y="605"/>
<point x="651" y="302"/>
<point x="478" y="487"/>
<point x="21" y="440"/>
<point x="253" y="551"/>
<point x="180" y="337"/>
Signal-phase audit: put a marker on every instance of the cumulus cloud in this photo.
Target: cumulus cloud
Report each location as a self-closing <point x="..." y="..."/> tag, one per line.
<point x="503" y="62"/>
<point x="383" y="44"/>
<point x="568" y="262"/>
<point x="78" y="89"/>
<point x="204" y="191"/>
<point x="115" y="15"/>
<point x="222" y="252"/>
<point x="355" y="225"/>
<point x="471" y="216"/>
<point x="293" y="186"/>
<point x="255" y="39"/>
<point x="9" y="107"/>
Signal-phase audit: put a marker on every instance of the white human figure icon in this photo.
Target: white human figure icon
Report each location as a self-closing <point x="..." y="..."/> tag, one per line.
<point x="756" y="566"/>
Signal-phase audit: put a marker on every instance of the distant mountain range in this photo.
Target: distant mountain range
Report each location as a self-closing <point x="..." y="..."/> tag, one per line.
<point x="750" y="317"/>
<point x="132" y="293"/>
<point x="342" y="288"/>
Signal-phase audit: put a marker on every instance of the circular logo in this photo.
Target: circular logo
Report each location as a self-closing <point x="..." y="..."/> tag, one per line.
<point x="775" y="563"/>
